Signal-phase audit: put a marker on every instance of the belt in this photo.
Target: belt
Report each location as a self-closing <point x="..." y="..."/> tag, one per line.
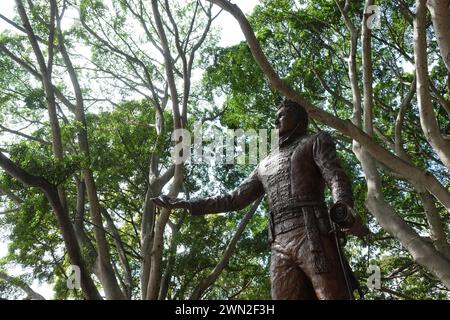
<point x="302" y="216"/>
<point x="288" y="224"/>
<point x="294" y="211"/>
<point x="293" y="204"/>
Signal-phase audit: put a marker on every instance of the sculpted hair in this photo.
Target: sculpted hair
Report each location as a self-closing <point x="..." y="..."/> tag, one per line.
<point x="299" y="112"/>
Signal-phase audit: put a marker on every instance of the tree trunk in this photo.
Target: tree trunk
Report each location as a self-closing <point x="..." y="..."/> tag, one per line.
<point x="428" y="120"/>
<point x="57" y="145"/>
<point x="107" y="274"/>
<point x="155" y="276"/>
<point x="440" y="16"/>
<point x="64" y="223"/>
<point x="147" y="233"/>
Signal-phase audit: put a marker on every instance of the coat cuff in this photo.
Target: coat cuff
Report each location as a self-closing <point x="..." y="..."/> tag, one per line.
<point x="344" y="218"/>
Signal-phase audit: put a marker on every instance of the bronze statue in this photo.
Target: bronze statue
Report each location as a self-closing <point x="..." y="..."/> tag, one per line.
<point x="306" y="261"/>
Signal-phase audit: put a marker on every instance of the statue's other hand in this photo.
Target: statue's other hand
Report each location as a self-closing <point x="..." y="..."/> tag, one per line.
<point x="170" y="202"/>
<point x="348" y="220"/>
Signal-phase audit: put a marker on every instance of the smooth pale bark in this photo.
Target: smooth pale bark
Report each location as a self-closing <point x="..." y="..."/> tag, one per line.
<point x="428" y="120"/>
<point x="367" y="70"/>
<point x="421" y="251"/>
<point x="437" y="232"/>
<point x="352" y="67"/>
<point x="148" y="220"/>
<point x="78" y="225"/>
<point x="187" y="60"/>
<point x="157" y="181"/>
<point x="148" y="214"/>
<point x="155" y="275"/>
<point x="147" y="232"/>
<point x="440" y="16"/>
<point x="168" y="65"/>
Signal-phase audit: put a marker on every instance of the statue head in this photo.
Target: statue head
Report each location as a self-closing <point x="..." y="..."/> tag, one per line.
<point x="291" y="119"/>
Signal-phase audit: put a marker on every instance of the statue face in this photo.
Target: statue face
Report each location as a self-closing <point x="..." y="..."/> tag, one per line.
<point x="285" y="120"/>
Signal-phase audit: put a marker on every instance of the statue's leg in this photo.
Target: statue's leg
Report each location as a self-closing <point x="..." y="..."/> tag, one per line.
<point x="329" y="285"/>
<point x="288" y="281"/>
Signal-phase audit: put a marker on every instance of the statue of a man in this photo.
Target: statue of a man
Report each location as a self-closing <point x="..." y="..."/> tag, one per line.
<point x="306" y="261"/>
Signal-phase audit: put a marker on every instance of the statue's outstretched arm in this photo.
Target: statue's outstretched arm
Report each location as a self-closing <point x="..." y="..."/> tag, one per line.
<point x="247" y="192"/>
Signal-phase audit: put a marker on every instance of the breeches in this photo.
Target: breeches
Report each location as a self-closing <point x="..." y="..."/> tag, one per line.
<point x="293" y="276"/>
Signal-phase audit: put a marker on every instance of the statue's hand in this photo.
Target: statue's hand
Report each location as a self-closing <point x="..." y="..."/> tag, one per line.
<point x="348" y="220"/>
<point x="171" y="202"/>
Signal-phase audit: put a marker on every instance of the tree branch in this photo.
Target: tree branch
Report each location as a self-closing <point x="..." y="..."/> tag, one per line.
<point x="64" y="223"/>
<point x="17" y="282"/>
<point x="428" y="120"/>
<point x="3" y="128"/>
<point x="440" y="16"/>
